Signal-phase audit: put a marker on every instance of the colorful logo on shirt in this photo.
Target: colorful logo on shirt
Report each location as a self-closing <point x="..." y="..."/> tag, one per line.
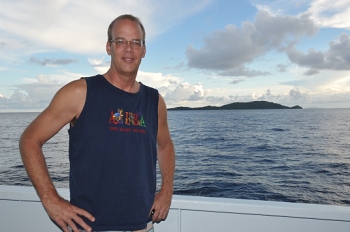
<point x="127" y="118"/>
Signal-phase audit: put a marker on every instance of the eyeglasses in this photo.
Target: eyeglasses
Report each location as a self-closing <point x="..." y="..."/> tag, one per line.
<point x="121" y="42"/>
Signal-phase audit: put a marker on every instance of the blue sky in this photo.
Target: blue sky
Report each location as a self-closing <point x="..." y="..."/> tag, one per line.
<point x="199" y="52"/>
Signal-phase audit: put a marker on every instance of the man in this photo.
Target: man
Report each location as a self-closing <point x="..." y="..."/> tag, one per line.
<point x="118" y="130"/>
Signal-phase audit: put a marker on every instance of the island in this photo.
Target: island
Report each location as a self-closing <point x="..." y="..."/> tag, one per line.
<point x="257" y="105"/>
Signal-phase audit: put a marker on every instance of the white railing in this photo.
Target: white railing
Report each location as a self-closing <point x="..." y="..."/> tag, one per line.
<point x="21" y="210"/>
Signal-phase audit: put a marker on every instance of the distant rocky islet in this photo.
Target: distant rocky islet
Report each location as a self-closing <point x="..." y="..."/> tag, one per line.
<point x="241" y="106"/>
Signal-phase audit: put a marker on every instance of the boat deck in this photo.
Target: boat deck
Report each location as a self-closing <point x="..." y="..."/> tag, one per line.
<point x="21" y="210"/>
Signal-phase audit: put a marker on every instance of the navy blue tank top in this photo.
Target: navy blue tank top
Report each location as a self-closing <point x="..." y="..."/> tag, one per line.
<point x="113" y="155"/>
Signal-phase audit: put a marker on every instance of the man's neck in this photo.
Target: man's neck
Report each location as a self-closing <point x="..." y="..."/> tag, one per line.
<point x="123" y="82"/>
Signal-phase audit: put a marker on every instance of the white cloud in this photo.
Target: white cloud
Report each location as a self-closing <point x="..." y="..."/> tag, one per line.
<point x="34" y="95"/>
<point x="185" y="91"/>
<point x="241" y="46"/>
<point x="96" y="62"/>
<point x="325" y="13"/>
<point x="330" y="13"/>
<point x="341" y="85"/>
<point x="331" y="82"/>
<point x="51" y="62"/>
<point x="64" y="25"/>
<point x="318" y="72"/>
<point x="81" y="26"/>
<point x="158" y="80"/>
<point x="43" y="79"/>
<point x="38" y="93"/>
<point x="18" y="98"/>
<point x="335" y="58"/>
<point x="99" y="64"/>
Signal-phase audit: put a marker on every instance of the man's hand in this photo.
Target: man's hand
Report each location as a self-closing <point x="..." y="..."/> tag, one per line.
<point x="65" y="214"/>
<point x="161" y="205"/>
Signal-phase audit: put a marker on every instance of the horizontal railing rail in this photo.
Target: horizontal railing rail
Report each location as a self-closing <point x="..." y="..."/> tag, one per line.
<point x="21" y="210"/>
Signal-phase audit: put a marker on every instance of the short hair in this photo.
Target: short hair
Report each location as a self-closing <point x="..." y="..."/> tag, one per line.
<point x="129" y="17"/>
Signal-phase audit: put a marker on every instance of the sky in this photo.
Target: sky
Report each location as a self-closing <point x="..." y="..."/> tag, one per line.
<point x="199" y="52"/>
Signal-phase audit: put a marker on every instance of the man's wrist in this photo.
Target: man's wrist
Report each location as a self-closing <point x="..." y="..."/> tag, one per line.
<point x="167" y="189"/>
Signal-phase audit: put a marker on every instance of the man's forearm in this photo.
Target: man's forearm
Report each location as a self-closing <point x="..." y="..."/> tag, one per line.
<point x="35" y="165"/>
<point x="162" y="201"/>
<point x="166" y="160"/>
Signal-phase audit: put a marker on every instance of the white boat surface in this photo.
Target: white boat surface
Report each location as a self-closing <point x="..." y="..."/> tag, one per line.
<point x="21" y="210"/>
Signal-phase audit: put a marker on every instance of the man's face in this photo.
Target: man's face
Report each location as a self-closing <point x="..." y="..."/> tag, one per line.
<point x="126" y="58"/>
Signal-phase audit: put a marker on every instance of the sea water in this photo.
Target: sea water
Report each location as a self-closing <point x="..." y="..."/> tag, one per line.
<point x="275" y="155"/>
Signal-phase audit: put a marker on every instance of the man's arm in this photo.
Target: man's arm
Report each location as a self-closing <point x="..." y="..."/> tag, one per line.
<point x="64" y="107"/>
<point x="166" y="161"/>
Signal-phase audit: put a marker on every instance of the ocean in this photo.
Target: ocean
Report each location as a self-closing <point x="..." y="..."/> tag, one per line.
<point x="274" y="155"/>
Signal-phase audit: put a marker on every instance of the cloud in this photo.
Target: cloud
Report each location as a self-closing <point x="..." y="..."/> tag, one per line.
<point x="3" y="102"/>
<point x="305" y="99"/>
<point x="36" y="93"/>
<point x="236" y="81"/>
<point x="337" y="57"/>
<point x="29" y="27"/>
<point x="30" y="96"/>
<point x="183" y="9"/>
<point x="99" y="64"/>
<point x="282" y="67"/>
<point x="330" y="13"/>
<point x="158" y="80"/>
<point x="243" y="71"/>
<point x="325" y="13"/>
<point x="185" y="91"/>
<point x="227" y="51"/>
<point x="176" y="92"/>
<point x="81" y="26"/>
<point x="180" y="66"/>
<point x="290" y="98"/>
<point x="311" y="72"/>
<point x="296" y="95"/>
<point x="333" y="100"/>
<point x="196" y="95"/>
<point x="51" y="62"/>
<point x="61" y="25"/>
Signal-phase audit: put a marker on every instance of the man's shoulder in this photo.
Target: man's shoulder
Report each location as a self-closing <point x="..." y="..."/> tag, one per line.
<point x="92" y="78"/>
<point x="149" y="88"/>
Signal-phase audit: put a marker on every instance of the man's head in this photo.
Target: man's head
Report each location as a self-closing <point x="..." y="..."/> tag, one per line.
<point x="129" y="17"/>
<point x="125" y="45"/>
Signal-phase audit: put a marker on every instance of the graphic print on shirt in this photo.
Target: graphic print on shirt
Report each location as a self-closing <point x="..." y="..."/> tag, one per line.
<point x="127" y="119"/>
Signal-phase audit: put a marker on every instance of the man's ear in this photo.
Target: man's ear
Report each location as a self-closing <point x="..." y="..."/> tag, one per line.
<point x="108" y="47"/>
<point x="144" y="52"/>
